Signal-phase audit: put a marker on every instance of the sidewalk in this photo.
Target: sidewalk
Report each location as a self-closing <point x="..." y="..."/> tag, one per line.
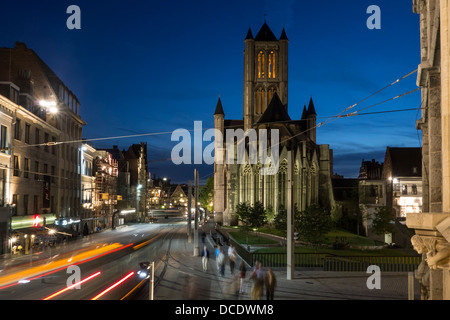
<point x="184" y="279"/>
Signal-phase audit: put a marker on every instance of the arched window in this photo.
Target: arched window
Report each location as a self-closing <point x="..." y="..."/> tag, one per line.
<point x="260" y="100"/>
<point x="261" y="64"/>
<point x="272" y="64"/>
<point x="282" y="182"/>
<point x="270" y="94"/>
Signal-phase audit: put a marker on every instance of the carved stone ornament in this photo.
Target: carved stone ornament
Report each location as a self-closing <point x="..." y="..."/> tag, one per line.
<point x="437" y="251"/>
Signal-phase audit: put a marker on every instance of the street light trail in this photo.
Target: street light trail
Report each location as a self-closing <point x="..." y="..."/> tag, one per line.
<point x="113" y="286"/>
<point x="14" y="279"/>
<point x="72" y="286"/>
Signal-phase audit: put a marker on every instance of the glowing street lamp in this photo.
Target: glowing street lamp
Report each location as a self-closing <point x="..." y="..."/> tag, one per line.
<point x="50" y="106"/>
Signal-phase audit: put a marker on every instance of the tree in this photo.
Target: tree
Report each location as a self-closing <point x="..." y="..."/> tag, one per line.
<point x="280" y="221"/>
<point x="270" y="215"/>
<point x="206" y="194"/>
<point x="250" y="216"/>
<point x="382" y="221"/>
<point x="313" y="224"/>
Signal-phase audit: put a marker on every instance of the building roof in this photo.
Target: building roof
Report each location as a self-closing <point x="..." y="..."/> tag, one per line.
<point x="405" y="162"/>
<point x="276" y="111"/>
<point x="265" y="34"/>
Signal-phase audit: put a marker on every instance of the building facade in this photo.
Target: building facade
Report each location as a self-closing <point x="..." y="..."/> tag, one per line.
<point x="47" y="131"/>
<point x="266" y="107"/>
<point x="432" y="225"/>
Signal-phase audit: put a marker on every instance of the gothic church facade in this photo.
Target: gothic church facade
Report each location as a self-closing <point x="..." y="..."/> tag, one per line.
<point x="266" y="107"/>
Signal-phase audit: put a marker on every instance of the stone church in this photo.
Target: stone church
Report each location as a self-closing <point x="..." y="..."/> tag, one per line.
<point x="266" y="107"/>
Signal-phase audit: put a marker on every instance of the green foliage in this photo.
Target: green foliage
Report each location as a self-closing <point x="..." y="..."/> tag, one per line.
<point x="280" y="221"/>
<point x="382" y="221"/>
<point x="270" y="215"/>
<point x="251" y="216"/>
<point x="313" y="224"/>
<point x="206" y="194"/>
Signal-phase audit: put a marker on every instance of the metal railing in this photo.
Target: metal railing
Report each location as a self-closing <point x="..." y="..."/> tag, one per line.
<point x="360" y="264"/>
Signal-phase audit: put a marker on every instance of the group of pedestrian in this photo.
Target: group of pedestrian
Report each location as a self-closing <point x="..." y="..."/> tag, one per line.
<point x="260" y="278"/>
<point x="263" y="279"/>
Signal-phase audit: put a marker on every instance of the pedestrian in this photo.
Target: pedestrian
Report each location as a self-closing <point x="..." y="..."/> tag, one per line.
<point x="232" y="257"/>
<point x="216" y="253"/>
<point x="258" y="281"/>
<point x="205" y="258"/>
<point x="242" y="274"/>
<point x="271" y="283"/>
<point x="222" y="261"/>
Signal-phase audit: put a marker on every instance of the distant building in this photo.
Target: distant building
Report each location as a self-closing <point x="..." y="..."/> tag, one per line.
<point x="402" y="171"/>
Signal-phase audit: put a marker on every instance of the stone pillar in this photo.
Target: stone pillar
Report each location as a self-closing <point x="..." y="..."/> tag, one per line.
<point x="445" y="101"/>
<point x="435" y="141"/>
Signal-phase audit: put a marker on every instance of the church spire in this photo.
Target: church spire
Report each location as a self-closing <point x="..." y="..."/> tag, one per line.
<point x="219" y="108"/>
<point x="311" y="108"/>
<point x="249" y="34"/>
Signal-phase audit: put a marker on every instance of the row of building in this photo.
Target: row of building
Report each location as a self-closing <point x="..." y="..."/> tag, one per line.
<point x="49" y="176"/>
<point x="396" y="183"/>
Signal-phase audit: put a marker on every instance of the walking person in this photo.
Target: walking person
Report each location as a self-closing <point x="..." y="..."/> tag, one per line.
<point x="232" y="257"/>
<point x="205" y="258"/>
<point x="258" y="281"/>
<point x="222" y="261"/>
<point x="242" y="274"/>
<point x="271" y="283"/>
<point x="217" y="253"/>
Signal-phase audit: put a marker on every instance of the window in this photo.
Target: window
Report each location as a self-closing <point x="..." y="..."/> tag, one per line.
<point x="36" y="170"/>
<point x="25" y="204"/>
<point x="53" y="147"/>
<point x="46" y="140"/>
<point x="27" y="133"/>
<point x="26" y="168"/>
<point x="271" y="65"/>
<point x="14" y="201"/>
<point x="414" y="189"/>
<point x="53" y="173"/>
<point x="37" y="139"/>
<point x="16" y="166"/>
<point x="260" y="101"/>
<point x="17" y="130"/>
<point x="404" y="190"/>
<point x="270" y="94"/>
<point x="261" y="64"/>
<point x="4" y="138"/>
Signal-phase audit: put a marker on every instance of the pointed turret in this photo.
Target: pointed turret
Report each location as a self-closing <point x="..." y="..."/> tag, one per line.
<point x="249" y="35"/>
<point x="219" y="108"/>
<point x="311" y="108"/>
<point x="305" y="112"/>
<point x="283" y="35"/>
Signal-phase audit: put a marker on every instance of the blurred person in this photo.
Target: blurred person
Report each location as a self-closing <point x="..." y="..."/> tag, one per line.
<point x="205" y="258"/>
<point x="258" y="281"/>
<point x="242" y="274"/>
<point x="232" y="257"/>
<point x="271" y="283"/>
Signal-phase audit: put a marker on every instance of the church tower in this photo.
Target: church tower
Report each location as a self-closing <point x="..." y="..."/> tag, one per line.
<point x="265" y="72"/>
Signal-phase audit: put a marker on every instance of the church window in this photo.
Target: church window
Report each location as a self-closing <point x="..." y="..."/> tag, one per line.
<point x="270" y="94"/>
<point x="272" y="65"/>
<point x="282" y="182"/>
<point x="261" y="65"/>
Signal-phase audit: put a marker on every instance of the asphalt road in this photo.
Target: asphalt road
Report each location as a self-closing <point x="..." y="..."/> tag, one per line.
<point x="105" y="263"/>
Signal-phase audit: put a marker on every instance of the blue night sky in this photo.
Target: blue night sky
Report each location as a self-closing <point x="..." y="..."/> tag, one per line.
<point x="141" y="67"/>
